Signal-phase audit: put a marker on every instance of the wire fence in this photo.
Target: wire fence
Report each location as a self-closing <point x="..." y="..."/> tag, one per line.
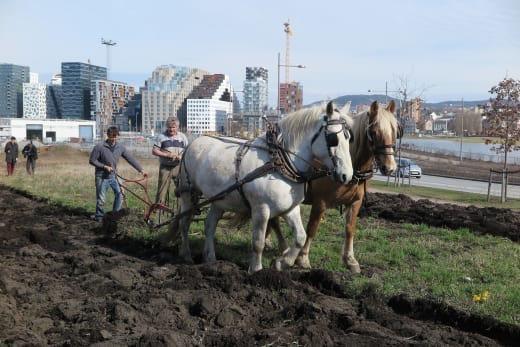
<point x="140" y="147"/>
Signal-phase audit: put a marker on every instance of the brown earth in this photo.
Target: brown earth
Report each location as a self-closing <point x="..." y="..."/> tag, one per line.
<point x="62" y="283"/>
<point x="483" y="220"/>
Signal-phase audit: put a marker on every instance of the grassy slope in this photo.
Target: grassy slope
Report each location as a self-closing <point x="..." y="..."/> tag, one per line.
<point x="445" y="195"/>
<point x="416" y="259"/>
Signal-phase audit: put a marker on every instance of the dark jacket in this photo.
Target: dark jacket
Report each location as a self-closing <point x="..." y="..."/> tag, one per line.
<point x="104" y="154"/>
<point x="30" y="152"/>
<point x="11" y="152"/>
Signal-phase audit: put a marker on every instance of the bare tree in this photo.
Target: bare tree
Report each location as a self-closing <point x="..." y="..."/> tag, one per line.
<point x="407" y="92"/>
<point x="503" y="116"/>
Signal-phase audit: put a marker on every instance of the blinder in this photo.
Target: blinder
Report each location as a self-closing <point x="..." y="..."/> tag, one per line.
<point x="332" y="139"/>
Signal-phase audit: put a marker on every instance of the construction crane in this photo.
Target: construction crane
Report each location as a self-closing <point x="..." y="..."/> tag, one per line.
<point x="108" y="44"/>
<point x="288" y="34"/>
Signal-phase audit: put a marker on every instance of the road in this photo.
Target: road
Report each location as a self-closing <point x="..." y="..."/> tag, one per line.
<point x="457" y="185"/>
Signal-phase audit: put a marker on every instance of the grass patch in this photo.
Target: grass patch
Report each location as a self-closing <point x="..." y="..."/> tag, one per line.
<point x="446" y="195"/>
<point x="452" y="265"/>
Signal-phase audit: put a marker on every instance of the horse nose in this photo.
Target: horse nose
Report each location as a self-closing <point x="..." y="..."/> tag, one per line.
<point x="344" y="178"/>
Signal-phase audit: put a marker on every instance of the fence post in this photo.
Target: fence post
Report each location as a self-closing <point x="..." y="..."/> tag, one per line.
<point x="507" y="183"/>
<point x="503" y="188"/>
<point x="489" y="184"/>
<point x="409" y="175"/>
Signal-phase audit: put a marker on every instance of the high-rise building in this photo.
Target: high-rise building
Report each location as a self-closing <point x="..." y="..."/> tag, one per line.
<point x="255" y="98"/>
<point x="164" y="94"/>
<point x="291" y="97"/>
<point x="12" y="78"/>
<point x="209" y="105"/>
<point x="133" y="112"/>
<point x="108" y="101"/>
<point x="35" y="100"/>
<point x="255" y="90"/>
<point x="76" y="84"/>
<point x="55" y="98"/>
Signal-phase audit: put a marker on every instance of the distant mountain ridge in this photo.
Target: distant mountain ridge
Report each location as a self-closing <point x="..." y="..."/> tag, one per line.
<point x="363" y="99"/>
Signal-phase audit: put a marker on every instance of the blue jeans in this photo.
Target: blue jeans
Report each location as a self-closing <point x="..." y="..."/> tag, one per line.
<point x="103" y="182"/>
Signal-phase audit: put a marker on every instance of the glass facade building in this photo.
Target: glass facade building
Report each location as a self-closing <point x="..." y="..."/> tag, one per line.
<point x="76" y="88"/>
<point x="12" y="78"/>
<point x="164" y="94"/>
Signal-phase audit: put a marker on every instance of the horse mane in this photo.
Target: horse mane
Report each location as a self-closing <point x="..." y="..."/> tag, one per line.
<point x="295" y="126"/>
<point x="387" y="124"/>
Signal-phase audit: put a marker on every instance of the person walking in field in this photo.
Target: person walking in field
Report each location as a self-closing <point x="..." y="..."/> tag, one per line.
<point x="11" y="155"/>
<point x="168" y="148"/>
<point x="31" y="153"/>
<point x="104" y="157"/>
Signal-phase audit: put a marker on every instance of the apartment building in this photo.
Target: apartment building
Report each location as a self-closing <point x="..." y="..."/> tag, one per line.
<point x="164" y="94"/>
<point x="12" y="78"/>
<point x="209" y="106"/>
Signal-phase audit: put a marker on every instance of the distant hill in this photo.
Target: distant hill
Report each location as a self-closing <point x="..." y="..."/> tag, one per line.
<point x="356" y="100"/>
<point x="368" y="99"/>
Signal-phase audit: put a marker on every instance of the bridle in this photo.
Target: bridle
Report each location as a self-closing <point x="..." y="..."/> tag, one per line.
<point x="331" y="137"/>
<point x="382" y="149"/>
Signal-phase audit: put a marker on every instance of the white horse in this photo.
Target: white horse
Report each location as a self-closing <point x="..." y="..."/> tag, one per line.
<point x="210" y="165"/>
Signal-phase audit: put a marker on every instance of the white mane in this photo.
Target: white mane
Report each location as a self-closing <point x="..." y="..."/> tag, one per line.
<point x="295" y="126"/>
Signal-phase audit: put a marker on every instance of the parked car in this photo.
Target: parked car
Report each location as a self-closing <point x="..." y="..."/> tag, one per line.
<point x="408" y="167"/>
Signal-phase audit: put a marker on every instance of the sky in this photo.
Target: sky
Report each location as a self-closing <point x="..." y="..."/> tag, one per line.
<point x="439" y="50"/>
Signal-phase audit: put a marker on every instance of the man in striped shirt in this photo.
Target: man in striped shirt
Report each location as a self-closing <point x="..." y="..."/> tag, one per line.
<point x="168" y="148"/>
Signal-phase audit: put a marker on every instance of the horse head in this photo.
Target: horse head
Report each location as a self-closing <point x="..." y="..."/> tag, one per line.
<point x="382" y="131"/>
<point x="331" y="143"/>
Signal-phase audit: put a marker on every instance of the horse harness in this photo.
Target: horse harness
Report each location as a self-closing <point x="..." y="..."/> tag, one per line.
<point x="280" y="162"/>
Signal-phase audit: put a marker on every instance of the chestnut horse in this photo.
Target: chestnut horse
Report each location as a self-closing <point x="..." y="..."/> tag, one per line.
<point x="375" y="134"/>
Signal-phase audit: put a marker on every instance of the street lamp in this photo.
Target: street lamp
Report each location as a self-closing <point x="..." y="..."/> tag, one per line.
<point x="461" y="130"/>
<point x="278" y="84"/>
<point x="386" y="91"/>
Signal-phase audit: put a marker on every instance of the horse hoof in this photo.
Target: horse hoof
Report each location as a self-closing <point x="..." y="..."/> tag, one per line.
<point x="252" y="270"/>
<point x="303" y="263"/>
<point x="280" y="264"/>
<point x="354" y="268"/>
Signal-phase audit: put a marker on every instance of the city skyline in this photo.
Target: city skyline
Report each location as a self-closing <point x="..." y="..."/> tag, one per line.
<point x="450" y="50"/>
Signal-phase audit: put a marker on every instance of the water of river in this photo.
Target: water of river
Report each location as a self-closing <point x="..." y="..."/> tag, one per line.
<point x="476" y="151"/>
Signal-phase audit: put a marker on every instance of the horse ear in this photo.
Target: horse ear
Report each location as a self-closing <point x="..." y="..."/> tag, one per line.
<point x="346" y="108"/>
<point x="373" y="110"/>
<point x="391" y="106"/>
<point x="330" y="108"/>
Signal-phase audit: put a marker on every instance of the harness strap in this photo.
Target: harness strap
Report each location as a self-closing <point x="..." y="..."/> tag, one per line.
<point x="241" y="151"/>
<point x="256" y="173"/>
<point x="362" y="176"/>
